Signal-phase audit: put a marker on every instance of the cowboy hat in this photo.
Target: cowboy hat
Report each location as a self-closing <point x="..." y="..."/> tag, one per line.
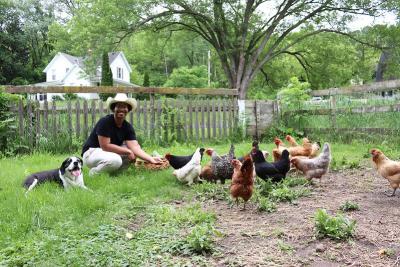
<point x="121" y="98"/>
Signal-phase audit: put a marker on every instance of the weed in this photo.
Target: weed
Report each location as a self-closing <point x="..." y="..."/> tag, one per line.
<point x="265" y="204"/>
<point x="285" y="247"/>
<point x="284" y="193"/>
<point x="206" y="191"/>
<point x="335" y="227"/>
<point x="349" y="206"/>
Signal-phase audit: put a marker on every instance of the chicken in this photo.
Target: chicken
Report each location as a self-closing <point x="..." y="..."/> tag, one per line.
<point x="191" y="171"/>
<point x="315" y="167"/>
<point x="255" y="144"/>
<point x="207" y="174"/>
<point x="276" y="171"/>
<point x="303" y="150"/>
<point x="315" y="147"/>
<point x="178" y="162"/>
<point x="387" y="168"/>
<point x="291" y="140"/>
<point x="242" y="180"/>
<point x="221" y="165"/>
<point x="280" y="146"/>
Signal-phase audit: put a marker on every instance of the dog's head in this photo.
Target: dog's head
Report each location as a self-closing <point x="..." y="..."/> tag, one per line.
<point x="71" y="167"/>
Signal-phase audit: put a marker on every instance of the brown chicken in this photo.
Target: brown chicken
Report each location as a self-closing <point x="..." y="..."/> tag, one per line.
<point x="316" y="167"/>
<point x="304" y="150"/>
<point x="291" y="140"/>
<point x="242" y="180"/>
<point x="207" y="174"/>
<point x="277" y="152"/>
<point x="388" y="168"/>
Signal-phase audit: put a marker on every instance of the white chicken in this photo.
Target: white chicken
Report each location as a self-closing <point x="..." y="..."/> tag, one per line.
<point x="191" y="171"/>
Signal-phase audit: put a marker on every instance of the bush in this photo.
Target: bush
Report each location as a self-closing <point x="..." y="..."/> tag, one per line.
<point x="349" y="206"/>
<point x="335" y="227"/>
<point x="294" y="93"/>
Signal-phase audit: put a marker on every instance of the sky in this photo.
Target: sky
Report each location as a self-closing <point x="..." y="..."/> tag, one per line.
<point x="362" y="21"/>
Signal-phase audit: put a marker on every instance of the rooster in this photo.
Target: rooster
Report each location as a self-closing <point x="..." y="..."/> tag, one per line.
<point x="276" y="171"/>
<point x="242" y="180"/>
<point x="178" y="162"/>
<point x="221" y="165"/>
<point x="315" y="167"/>
<point x="191" y="171"/>
<point x="387" y="168"/>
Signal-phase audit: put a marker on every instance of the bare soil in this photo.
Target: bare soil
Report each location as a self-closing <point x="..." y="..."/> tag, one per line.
<point x="287" y="237"/>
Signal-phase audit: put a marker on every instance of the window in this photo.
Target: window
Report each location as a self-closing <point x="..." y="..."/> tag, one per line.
<point x="53" y="74"/>
<point x="120" y="73"/>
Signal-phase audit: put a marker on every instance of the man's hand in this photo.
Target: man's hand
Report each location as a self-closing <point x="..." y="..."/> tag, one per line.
<point x="155" y="160"/>
<point x="132" y="156"/>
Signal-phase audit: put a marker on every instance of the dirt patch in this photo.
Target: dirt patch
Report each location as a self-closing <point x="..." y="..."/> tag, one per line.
<point x="286" y="237"/>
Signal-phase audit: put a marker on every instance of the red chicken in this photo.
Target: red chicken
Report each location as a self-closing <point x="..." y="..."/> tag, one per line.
<point x="242" y="180"/>
<point x="280" y="146"/>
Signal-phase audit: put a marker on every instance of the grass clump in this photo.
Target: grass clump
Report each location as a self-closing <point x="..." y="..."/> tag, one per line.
<point x="265" y="204"/>
<point x="206" y="191"/>
<point x="349" y="206"/>
<point x="335" y="227"/>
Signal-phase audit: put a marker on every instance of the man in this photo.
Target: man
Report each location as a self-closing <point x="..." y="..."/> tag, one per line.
<point x="112" y="144"/>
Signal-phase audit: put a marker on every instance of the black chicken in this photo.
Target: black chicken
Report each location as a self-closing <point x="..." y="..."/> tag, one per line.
<point x="275" y="171"/>
<point x="178" y="162"/>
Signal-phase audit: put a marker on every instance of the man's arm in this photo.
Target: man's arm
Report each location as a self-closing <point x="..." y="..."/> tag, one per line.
<point x="105" y="144"/>
<point x="134" y="146"/>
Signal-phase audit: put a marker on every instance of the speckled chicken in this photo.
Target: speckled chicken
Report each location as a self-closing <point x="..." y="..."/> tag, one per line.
<point x="315" y="167"/>
<point x="221" y="165"/>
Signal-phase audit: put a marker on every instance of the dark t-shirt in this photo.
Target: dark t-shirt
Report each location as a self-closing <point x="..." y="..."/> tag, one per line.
<point x="106" y="127"/>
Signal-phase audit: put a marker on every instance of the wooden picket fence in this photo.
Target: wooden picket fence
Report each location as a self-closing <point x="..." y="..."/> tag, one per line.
<point x="161" y="119"/>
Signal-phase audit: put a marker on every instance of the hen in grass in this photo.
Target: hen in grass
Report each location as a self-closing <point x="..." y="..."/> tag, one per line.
<point x="221" y="165"/>
<point x="275" y="171"/>
<point x="242" y="180"/>
<point x="178" y="162"/>
<point x="315" y="167"/>
<point x="191" y="171"/>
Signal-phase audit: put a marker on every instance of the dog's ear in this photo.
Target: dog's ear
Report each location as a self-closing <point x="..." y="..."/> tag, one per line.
<point x="80" y="160"/>
<point x="64" y="165"/>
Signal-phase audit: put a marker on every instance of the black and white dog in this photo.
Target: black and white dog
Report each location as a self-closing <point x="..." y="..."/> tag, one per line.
<point x="68" y="175"/>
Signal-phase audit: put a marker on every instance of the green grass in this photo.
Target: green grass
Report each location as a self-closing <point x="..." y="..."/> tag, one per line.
<point x="128" y="219"/>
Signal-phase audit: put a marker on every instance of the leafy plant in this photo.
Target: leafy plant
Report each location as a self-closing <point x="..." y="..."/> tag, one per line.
<point x="265" y="204"/>
<point x="349" y="206"/>
<point x="295" y="92"/>
<point x="335" y="227"/>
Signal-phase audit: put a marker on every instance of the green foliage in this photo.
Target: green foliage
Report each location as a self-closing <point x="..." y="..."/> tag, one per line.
<point x="265" y="204"/>
<point x="195" y="77"/>
<point x="106" y="73"/>
<point x="146" y="80"/>
<point x="70" y="96"/>
<point x="335" y="227"/>
<point x="294" y="93"/>
<point x="349" y="206"/>
<point x="206" y="191"/>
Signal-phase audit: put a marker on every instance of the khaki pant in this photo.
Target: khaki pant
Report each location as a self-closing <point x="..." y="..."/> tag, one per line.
<point x="98" y="160"/>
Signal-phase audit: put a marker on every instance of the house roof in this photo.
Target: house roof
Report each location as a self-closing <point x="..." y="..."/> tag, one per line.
<point x="74" y="60"/>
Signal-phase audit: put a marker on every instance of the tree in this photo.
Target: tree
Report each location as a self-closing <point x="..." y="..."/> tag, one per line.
<point x="195" y="77"/>
<point x="106" y="76"/>
<point x="244" y="37"/>
<point x="146" y="79"/>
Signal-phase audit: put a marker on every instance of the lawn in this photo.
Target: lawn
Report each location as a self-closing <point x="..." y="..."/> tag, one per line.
<point x="135" y="218"/>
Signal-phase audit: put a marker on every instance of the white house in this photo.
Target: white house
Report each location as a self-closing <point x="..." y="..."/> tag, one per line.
<point x="67" y="70"/>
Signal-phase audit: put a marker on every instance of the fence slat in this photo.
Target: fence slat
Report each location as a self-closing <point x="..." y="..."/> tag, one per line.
<point x="202" y="106"/>
<point x="214" y="119"/>
<point x="209" y="110"/>
<point x="93" y="111"/>
<point x="30" y="123"/>
<point x="78" y="119"/>
<point x="196" y="120"/>
<point x="85" y="119"/>
<point x="190" y="119"/>
<point x="69" y="106"/>
<point x="101" y="109"/>
<point x="159" y="125"/>
<point x="145" y="128"/>
<point x="46" y="116"/>
<point x="152" y="115"/>
<point x="184" y="124"/>
<point x="53" y="119"/>
<point x="224" y="123"/>
<point x="21" y="117"/>
<point x="139" y="112"/>
<point x="37" y="121"/>
<point x="178" y="121"/>
<point x="165" y="117"/>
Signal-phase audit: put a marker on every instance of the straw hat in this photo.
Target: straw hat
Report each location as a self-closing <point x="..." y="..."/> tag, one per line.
<point x="121" y="98"/>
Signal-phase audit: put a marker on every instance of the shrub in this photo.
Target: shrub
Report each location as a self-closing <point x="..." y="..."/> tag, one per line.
<point x="335" y="227"/>
<point x="349" y="206"/>
<point x="265" y="204"/>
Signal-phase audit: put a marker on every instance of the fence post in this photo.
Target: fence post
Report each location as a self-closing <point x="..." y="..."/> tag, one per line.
<point x="333" y="112"/>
